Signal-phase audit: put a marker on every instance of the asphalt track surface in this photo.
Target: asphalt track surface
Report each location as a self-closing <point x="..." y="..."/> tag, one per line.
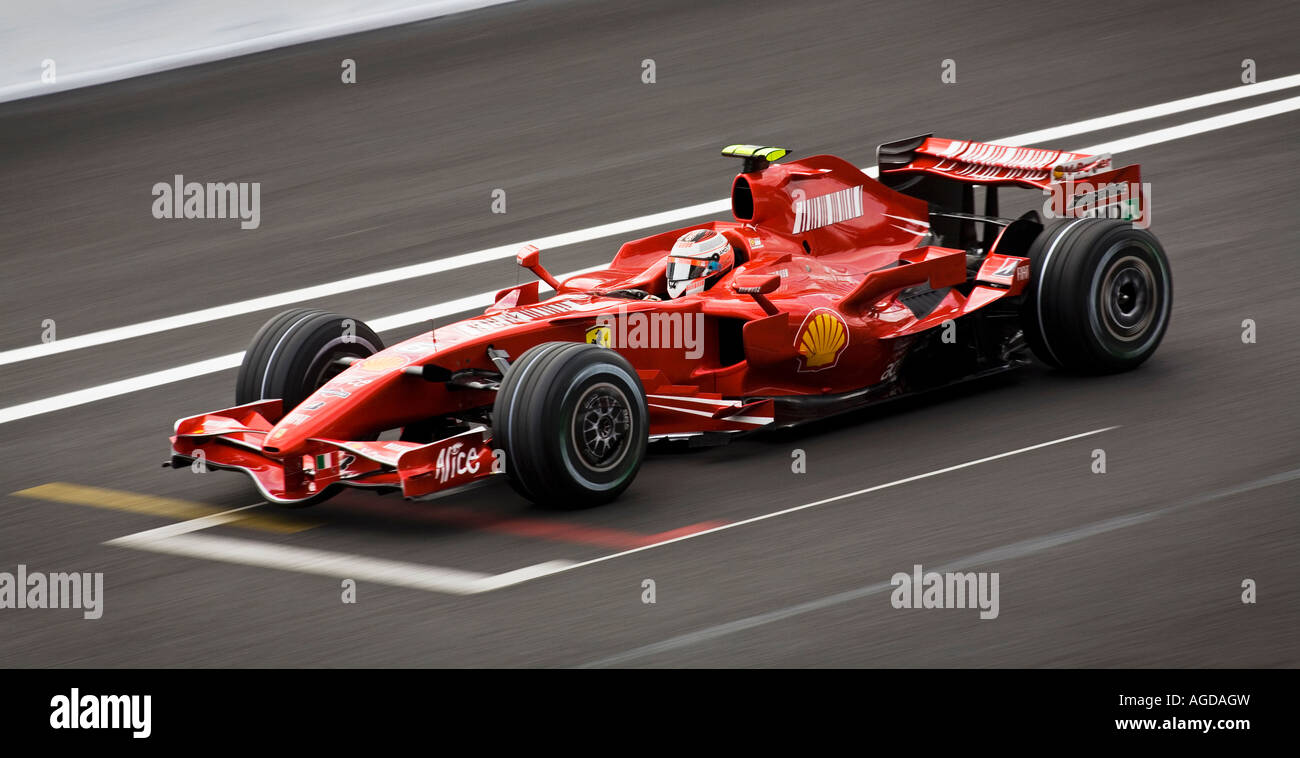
<point x="1139" y="566"/>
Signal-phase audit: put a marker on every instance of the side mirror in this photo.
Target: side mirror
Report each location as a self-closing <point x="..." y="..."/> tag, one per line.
<point x="531" y="258"/>
<point x="756" y="284"/>
<point x="758" y="287"/>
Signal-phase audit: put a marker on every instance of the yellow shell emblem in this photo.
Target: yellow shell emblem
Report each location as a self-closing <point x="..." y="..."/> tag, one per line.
<point x="824" y="336"/>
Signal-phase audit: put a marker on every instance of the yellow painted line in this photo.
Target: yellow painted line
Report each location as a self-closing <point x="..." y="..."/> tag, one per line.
<point x="131" y="502"/>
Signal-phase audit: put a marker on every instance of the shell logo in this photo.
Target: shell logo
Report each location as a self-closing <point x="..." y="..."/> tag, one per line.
<point x="822" y="338"/>
<point x="384" y="362"/>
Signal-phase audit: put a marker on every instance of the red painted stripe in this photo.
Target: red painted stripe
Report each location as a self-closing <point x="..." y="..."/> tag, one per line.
<point x="673" y="534"/>
<point x="534" y="528"/>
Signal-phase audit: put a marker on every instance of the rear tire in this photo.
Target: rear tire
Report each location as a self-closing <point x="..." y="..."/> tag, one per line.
<point x="1099" y="296"/>
<point x="293" y="355"/>
<point x="573" y="422"/>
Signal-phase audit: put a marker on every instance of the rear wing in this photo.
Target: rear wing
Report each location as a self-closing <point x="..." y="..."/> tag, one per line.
<point x="984" y="163"/>
<point x="1078" y="184"/>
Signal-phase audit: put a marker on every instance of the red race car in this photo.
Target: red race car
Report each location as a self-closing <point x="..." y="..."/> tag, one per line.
<point x="828" y="292"/>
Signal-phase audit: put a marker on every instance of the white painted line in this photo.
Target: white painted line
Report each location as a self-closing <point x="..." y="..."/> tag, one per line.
<point x="212" y="365"/>
<point x="120" y="387"/>
<point x="442" y="310"/>
<point x="257" y="44"/>
<point x="194" y="524"/>
<point x="837" y="498"/>
<point x="365" y="281"/>
<point x="1022" y="549"/>
<point x="1196" y="127"/>
<point x="500" y="252"/>
<point x="519" y="576"/>
<point x="232" y="360"/>
<point x="1153" y="111"/>
<point x="416" y="576"/>
<point x="179" y="539"/>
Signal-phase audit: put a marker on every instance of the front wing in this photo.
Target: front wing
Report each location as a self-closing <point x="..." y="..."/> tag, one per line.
<point x="232" y="439"/>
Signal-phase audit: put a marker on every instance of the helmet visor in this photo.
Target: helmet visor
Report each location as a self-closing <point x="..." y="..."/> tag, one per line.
<point x="682" y="269"/>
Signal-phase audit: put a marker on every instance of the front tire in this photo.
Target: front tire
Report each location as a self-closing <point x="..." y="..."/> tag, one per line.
<point x="294" y="354"/>
<point x="573" y="422"/>
<point x="1099" y="296"/>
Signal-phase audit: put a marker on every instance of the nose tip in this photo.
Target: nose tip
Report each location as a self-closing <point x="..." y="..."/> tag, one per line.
<point x="282" y="442"/>
<point x="282" y="450"/>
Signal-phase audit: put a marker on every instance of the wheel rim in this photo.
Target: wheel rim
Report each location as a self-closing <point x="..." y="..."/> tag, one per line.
<point x="326" y="369"/>
<point x="602" y="427"/>
<point x="1128" y="298"/>
<point x="323" y="366"/>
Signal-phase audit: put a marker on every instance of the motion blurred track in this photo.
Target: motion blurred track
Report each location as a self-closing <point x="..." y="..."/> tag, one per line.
<point x="545" y="100"/>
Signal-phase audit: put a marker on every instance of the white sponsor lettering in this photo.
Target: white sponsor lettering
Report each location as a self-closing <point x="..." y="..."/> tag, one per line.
<point x="457" y="460"/>
<point x="816" y="212"/>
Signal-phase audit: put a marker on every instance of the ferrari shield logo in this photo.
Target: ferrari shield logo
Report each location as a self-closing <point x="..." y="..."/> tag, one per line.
<point x="600" y="336"/>
<point x="822" y="337"/>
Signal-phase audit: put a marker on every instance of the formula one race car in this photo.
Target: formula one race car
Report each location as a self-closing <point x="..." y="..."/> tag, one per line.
<point x="829" y="291"/>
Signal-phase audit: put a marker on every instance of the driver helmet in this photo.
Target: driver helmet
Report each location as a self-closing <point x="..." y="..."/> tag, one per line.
<point x="697" y="257"/>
